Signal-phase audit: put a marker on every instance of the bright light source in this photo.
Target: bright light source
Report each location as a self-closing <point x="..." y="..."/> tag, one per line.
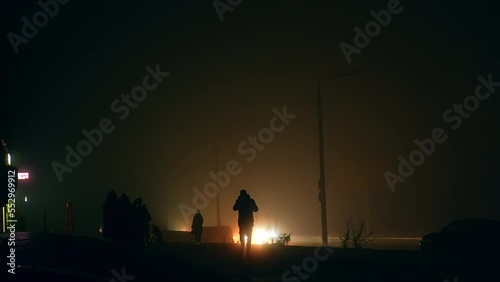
<point x="9" y="159"/>
<point x="261" y="236"/>
<point x="23" y="175"/>
<point x="26" y="198"/>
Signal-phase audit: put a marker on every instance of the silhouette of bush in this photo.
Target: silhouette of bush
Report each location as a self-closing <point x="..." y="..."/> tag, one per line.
<point x="345" y="234"/>
<point x="283" y="239"/>
<point x="355" y="233"/>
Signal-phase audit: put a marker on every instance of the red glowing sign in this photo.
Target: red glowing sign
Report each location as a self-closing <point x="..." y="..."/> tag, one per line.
<point x="23" y="175"/>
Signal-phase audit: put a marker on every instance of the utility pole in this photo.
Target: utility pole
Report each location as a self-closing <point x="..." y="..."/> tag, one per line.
<point x="217" y="201"/>
<point x="321" y="182"/>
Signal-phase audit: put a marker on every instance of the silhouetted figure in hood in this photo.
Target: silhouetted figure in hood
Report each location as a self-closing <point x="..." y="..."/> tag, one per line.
<point x="245" y="206"/>
<point x="197" y="227"/>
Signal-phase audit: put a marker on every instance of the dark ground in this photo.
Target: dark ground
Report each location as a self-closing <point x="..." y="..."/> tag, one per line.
<point x="59" y="258"/>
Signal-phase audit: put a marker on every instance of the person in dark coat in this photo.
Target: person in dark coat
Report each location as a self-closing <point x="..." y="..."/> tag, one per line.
<point x="245" y="206"/>
<point x="197" y="227"/>
<point x="156" y="236"/>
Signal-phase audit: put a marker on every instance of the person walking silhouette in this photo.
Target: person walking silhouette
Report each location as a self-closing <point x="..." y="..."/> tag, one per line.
<point x="245" y="206"/>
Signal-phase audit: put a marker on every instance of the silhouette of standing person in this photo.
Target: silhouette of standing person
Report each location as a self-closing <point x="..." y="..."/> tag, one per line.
<point x="245" y="206"/>
<point x="156" y="236"/>
<point x="197" y="227"/>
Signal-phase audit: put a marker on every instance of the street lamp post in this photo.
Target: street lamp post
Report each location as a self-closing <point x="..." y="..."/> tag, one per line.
<point x="218" y="194"/>
<point x="321" y="182"/>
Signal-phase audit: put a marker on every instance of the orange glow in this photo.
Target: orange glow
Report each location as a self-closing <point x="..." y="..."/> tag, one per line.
<point x="263" y="236"/>
<point x="260" y="236"/>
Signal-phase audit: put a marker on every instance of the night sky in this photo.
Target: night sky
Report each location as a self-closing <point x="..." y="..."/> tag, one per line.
<point x="225" y="78"/>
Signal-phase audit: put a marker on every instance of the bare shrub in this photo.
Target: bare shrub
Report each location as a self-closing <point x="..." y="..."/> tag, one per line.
<point x="355" y="233"/>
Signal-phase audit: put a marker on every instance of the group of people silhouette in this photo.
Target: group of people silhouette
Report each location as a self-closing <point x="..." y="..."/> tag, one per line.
<point x="125" y="222"/>
<point x="128" y="223"/>
<point x="245" y="206"/>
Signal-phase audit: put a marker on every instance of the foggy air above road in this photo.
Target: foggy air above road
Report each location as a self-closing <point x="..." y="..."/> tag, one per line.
<point x="185" y="104"/>
<point x="238" y="140"/>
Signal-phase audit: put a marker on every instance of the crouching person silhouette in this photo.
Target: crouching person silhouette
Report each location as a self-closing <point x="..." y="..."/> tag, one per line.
<point x="246" y="207"/>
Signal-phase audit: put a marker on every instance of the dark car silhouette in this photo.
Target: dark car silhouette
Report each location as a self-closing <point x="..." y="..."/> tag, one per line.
<point x="472" y="235"/>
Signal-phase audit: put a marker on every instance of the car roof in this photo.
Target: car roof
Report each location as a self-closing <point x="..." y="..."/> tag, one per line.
<point x="473" y="221"/>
